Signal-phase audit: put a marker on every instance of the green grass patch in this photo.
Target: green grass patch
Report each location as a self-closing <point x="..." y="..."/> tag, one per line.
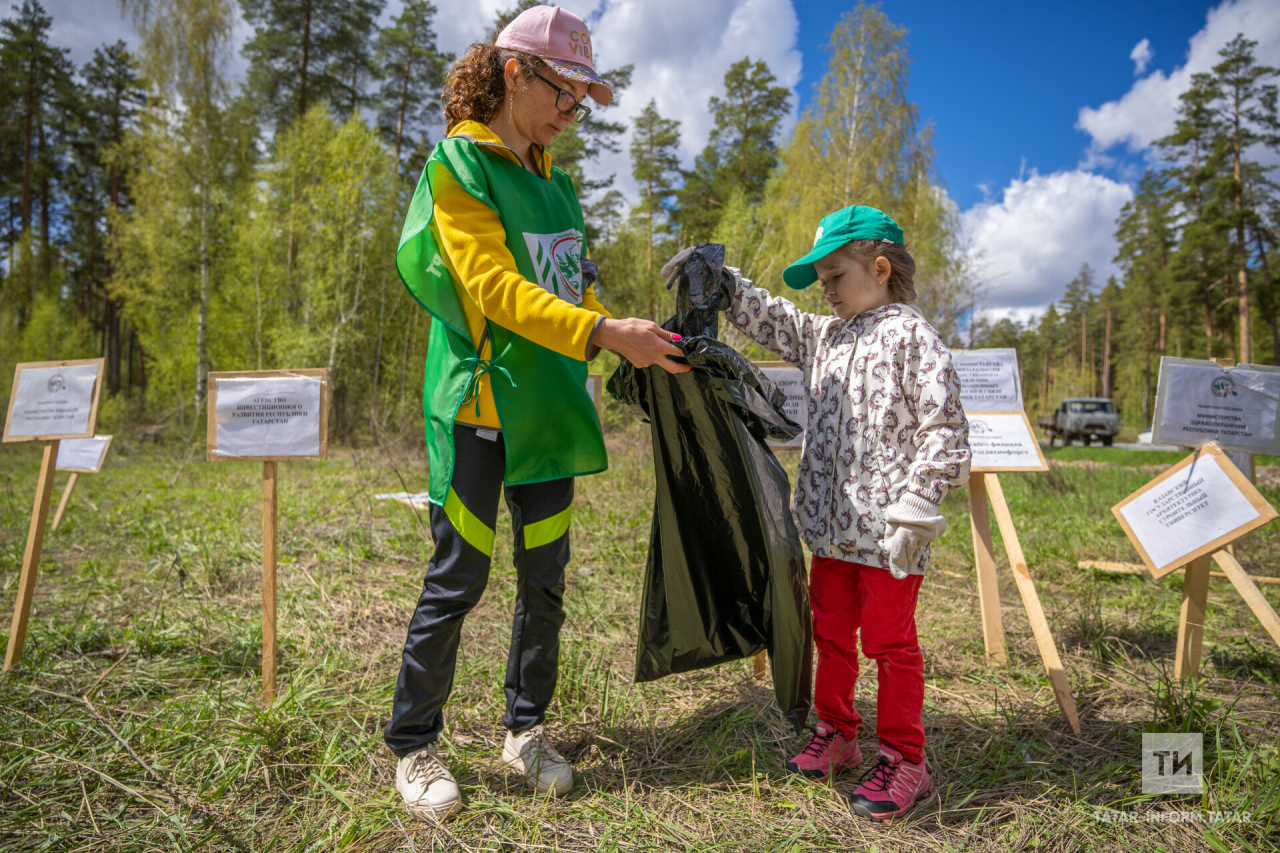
<point x="133" y="722"/>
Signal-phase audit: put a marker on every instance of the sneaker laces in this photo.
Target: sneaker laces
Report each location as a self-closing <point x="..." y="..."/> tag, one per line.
<point x="424" y="763"/>
<point x="879" y="777"/>
<point x="539" y="747"/>
<point x="818" y="743"/>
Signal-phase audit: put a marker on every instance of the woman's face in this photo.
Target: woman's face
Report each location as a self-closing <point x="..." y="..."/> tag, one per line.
<point x="533" y="103"/>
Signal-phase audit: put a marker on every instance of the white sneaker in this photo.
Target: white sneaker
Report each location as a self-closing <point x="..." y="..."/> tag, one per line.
<point x="429" y="790"/>
<point x="544" y="769"/>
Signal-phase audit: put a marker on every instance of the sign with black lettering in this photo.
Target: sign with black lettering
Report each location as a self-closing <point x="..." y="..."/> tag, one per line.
<point x="1198" y="401"/>
<point x="791" y="380"/>
<point x="268" y="414"/>
<point x="54" y="399"/>
<point x="1196" y="507"/>
<point x="989" y="380"/>
<point x="1003" y="441"/>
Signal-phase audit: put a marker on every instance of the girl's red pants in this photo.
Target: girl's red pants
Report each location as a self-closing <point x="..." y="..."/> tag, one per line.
<point x="849" y="599"/>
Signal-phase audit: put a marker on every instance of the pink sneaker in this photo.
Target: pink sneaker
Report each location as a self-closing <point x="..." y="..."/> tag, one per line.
<point x="890" y="788"/>
<point x="828" y="752"/>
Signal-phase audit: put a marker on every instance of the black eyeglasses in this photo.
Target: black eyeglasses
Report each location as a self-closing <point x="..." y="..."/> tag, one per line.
<point x="566" y="103"/>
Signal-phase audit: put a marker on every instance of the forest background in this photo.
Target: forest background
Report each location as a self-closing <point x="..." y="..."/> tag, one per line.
<point x="156" y="213"/>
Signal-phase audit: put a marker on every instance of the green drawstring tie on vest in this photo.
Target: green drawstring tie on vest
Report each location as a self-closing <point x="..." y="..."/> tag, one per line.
<point x="479" y="367"/>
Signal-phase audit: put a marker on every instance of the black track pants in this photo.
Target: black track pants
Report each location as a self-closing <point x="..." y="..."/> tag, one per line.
<point x="456" y="578"/>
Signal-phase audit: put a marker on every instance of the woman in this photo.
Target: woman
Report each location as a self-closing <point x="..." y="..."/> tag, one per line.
<point x="493" y="247"/>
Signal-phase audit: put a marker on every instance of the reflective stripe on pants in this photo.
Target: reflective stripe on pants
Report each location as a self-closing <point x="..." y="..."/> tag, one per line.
<point x="456" y="577"/>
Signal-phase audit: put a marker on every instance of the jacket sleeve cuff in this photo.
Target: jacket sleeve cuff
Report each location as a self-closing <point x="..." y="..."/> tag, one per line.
<point x="592" y="349"/>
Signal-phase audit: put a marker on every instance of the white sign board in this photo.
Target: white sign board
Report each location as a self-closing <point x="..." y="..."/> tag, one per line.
<point x="791" y="381"/>
<point x="53" y="400"/>
<point x="1003" y="441"/>
<point x="1198" y="506"/>
<point x="268" y="415"/>
<point x="83" y="455"/>
<point x="1198" y="402"/>
<point x="988" y="379"/>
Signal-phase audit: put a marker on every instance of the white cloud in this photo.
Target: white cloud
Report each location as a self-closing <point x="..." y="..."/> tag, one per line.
<point x="1141" y="55"/>
<point x="681" y="52"/>
<point x="1034" y="239"/>
<point x="1147" y="111"/>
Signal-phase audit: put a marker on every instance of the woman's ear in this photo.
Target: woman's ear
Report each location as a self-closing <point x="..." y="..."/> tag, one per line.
<point x="511" y="74"/>
<point x="882" y="269"/>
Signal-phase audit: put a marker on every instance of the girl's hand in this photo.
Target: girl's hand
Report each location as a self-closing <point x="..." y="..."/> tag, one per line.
<point x="641" y="342"/>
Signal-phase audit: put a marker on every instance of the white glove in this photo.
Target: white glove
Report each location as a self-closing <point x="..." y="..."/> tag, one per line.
<point x="910" y="524"/>
<point x="672" y="268"/>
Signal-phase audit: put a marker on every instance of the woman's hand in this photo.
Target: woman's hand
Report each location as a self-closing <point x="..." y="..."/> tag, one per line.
<point x="641" y="342"/>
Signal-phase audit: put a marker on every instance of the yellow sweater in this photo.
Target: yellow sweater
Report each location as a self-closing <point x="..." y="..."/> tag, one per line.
<point x="473" y="243"/>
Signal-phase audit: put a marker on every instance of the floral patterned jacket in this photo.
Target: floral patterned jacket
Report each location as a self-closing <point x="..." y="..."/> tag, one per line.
<point x="884" y="418"/>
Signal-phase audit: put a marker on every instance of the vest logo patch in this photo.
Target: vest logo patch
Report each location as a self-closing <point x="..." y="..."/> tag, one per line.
<point x="557" y="261"/>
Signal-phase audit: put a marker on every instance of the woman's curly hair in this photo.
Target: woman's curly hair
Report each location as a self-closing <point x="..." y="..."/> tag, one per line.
<point x="475" y="86"/>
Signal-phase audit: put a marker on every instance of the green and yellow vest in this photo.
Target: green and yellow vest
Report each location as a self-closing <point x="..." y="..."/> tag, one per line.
<point x="549" y="422"/>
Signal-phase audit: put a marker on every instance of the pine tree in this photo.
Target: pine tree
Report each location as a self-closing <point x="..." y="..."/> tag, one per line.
<point x="1248" y="116"/>
<point x="39" y="75"/>
<point x="1146" y="237"/>
<point x="415" y="70"/>
<point x="291" y="55"/>
<point x="1194" y="146"/>
<point x="655" y="164"/>
<point x="742" y="151"/>
<point x="113" y="97"/>
<point x="353" y="65"/>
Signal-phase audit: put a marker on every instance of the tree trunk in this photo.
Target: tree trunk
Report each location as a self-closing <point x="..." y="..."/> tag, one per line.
<point x="202" y="329"/>
<point x="1271" y="299"/>
<point x="1106" y="358"/>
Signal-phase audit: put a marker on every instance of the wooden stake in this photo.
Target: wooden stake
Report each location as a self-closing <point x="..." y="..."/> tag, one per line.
<point x="1031" y="601"/>
<point x="66" y="498"/>
<point x="1251" y="594"/>
<point x="985" y="559"/>
<point x="269" y="472"/>
<point x="758" y="664"/>
<point x="1139" y="569"/>
<point x="1195" y="594"/>
<point x="31" y="557"/>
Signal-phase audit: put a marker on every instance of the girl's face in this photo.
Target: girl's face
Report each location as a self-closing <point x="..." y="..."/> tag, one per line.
<point x="853" y="287"/>
<point x="533" y="103"/>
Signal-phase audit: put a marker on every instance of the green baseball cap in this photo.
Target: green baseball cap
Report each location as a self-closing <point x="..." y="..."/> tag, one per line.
<point x="852" y="223"/>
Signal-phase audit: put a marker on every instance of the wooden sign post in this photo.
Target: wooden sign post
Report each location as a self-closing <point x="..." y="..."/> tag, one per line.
<point x="51" y="401"/>
<point x="268" y="415"/>
<point x="1187" y="517"/>
<point x="1003" y="441"/>
<point x="79" y="456"/>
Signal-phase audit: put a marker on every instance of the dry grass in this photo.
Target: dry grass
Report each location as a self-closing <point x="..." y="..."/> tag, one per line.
<point x="133" y="723"/>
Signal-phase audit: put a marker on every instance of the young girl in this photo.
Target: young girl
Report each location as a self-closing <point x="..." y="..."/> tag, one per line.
<point x="885" y="442"/>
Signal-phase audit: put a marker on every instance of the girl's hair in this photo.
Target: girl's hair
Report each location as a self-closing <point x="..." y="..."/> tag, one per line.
<point x="476" y="86"/>
<point x="902" y="267"/>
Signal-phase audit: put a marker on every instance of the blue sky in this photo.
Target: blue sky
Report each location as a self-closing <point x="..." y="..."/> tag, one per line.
<point x="1003" y="82"/>
<point x="1042" y="118"/>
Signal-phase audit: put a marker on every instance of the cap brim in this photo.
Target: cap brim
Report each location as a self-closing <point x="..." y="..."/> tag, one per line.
<point x="597" y="88"/>
<point x="800" y="274"/>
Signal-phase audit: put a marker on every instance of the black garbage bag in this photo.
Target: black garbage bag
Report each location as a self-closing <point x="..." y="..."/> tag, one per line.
<point x="725" y="578"/>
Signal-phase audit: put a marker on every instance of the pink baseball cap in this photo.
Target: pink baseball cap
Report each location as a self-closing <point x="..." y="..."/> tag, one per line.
<point x="560" y="39"/>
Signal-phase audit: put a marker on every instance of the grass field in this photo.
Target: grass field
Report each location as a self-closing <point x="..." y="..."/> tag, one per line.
<point x="133" y="721"/>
